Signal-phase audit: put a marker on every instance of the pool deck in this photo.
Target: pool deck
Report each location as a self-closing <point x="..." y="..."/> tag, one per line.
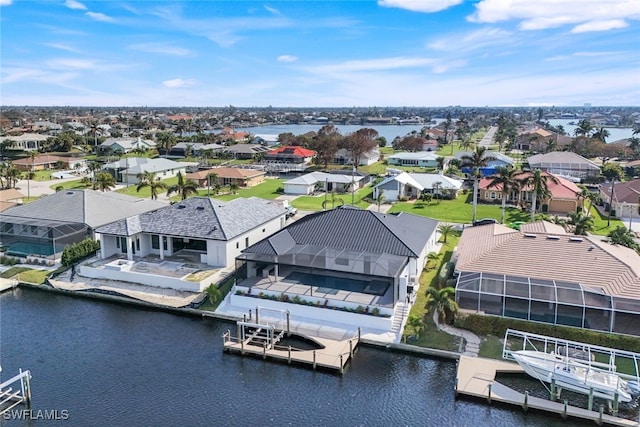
<point x="476" y="377"/>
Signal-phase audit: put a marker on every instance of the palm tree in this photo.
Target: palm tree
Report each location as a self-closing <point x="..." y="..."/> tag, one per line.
<point x="334" y="199"/>
<point x="589" y="195"/>
<point x="94" y="167"/>
<point x="581" y="223"/>
<point x="442" y="301"/>
<point x="601" y="134"/>
<point x="185" y="188"/>
<point x="537" y="182"/>
<point x="105" y="181"/>
<point x="585" y="128"/>
<point x="440" y="163"/>
<point x="416" y="324"/>
<point x="31" y="173"/>
<point x="445" y="230"/>
<point x="148" y="179"/>
<point x="380" y="199"/>
<point x="622" y="236"/>
<point x="475" y="161"/>
<point x="432" y="258"/>
<point x="234" y="187"/>
<point x="212" y="177"/>
<point x="506" y="179"/>
<point x="437" y="191"/>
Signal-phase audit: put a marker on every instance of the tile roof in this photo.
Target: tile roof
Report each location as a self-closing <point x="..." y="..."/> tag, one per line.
<point x="353" y="229"/>
<point x="293" y="150"/>
<point x="200" y="217"/>
<point x="563" y="189"/>
<point x="586" y="260"/>
<point x="624" y="192"/>
<point x="93" y="208"/>
<point x="41" y="160"/>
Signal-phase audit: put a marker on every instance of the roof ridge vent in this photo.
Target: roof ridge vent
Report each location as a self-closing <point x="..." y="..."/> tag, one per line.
<point x="551" y="237"/>
<point x="530" y="236"/>
<point x="576" y="239"/>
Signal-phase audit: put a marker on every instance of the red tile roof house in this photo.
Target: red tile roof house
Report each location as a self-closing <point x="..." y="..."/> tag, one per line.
<point x="289" y="158"/>
<point x="543" y="274"/>
<point x="564" y="195"/>
<point x="626" y="197"/>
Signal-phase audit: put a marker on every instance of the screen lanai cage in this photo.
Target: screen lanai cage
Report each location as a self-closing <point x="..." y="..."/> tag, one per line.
<point x="549" y="301"/>
<point x="20" y="236"/>
<point x="341" y="269"/>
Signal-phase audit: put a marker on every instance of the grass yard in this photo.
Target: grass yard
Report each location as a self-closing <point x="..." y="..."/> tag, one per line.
<point x="314" y="203"/>
<point x="490" y="347"/>
<point x="26" y="274"/>
<point x="459" y="210"/>
<point x="431" y="336"/>
<point x="146" y="191"/>
<point x="76" y="184"/>
<point x="266" y="190"/>
<point x="600" y="223"/>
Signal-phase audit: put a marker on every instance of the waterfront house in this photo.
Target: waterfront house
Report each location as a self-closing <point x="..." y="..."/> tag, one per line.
<point x="543" y="274"/>
<point x="496" y="160"/>
<point x="265" y="139"/>
<point x="421" y="159"/>
<point x="341" y="259"/>
<point x="343" y="157"/>
<point x="564" y="195"/>
<point x="288" y="159"/>
<point x="246" y="151"/>
<point x="126" y="145"/>
<point x="626" y="197"/>
<point x="47" y="161"/>
<point x="26" y="141"/>
<point x="324" y="182"/>
<point x="45" y="226"/>
<point x="178" y="241"/>
<point x="564" y="163"/>
<point x="227" y="176"/>
<point x="412" y="185"/>
<point x="127" y="169"/>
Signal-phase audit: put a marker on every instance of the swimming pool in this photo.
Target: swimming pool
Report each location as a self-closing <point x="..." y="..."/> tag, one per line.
<point x="331" y="284"/>
<point x="28" y="248"/>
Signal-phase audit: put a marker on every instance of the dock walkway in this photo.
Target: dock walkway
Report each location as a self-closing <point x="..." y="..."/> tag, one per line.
<point x="476" y="377"/>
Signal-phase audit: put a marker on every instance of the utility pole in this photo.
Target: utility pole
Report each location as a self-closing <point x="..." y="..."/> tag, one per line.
<point x="353" y="180"/>
<point x="613" y="180"/>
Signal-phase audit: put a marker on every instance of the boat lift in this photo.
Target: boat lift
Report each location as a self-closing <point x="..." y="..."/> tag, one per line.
<point x="9" y="398"/>
<point x="624" y="364"/>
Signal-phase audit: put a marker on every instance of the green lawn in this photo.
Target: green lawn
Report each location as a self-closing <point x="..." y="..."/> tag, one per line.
<point x="459" y="210"/>
<point x="266" y="190"/>
<point x="146" y="192"/>
<point x="76" y="184"/>
<point x="600" y="223"/>
<point x="26" y="274"/>
<point x="430" y="336"/>
<point x="314" y="203"/>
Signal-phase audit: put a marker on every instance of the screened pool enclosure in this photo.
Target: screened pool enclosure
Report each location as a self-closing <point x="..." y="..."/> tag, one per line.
<point x="548" y="301"/>
<point x="22" y="237"/>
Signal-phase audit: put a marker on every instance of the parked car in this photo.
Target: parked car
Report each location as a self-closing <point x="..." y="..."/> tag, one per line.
<point x="485" y="221"/>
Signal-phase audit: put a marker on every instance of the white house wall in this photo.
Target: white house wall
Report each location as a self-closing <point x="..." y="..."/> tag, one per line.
<point x="236" y="245"/>
<point x="303" y="189"/>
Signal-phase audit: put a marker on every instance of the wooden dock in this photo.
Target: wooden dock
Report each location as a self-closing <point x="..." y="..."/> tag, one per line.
<point x="476" y="377"/>
<point x="334" y="356"/>
<point x="6" y="284"/>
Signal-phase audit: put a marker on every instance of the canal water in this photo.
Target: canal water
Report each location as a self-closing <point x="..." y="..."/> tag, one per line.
<point x="117" y="365"/>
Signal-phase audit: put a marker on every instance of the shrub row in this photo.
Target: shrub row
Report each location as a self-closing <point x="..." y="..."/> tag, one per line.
<point x="7" y="260"/>
<point x="78" y="251"/>
<point x="497" y="326"/>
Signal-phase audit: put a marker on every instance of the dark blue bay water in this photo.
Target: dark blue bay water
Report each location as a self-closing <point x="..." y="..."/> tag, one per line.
<point x="117" y="365"/>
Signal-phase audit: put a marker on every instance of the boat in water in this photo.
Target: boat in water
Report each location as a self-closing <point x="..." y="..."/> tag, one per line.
<point x="578" y="375"/>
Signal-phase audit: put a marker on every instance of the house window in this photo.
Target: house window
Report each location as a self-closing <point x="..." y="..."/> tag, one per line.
<point x="123" y="244"/>
<point x="164" y="243"/>
<point x="118" y="242"/>
<point x="155" y="241"/>
<point x="493" y="195"/>
<point x="486" y="195"/>
<point x="264" y="229"/>
<point x="137" y="244"/>
<point x="237" y="245"/>
<point x="34" y="229"/>
<point x="246" y="242"/>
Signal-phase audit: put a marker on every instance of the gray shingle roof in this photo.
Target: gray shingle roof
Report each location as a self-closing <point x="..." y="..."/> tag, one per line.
<point x="200" y="217"/>
<point x="353" y="229"/>
<point x="89" y="207"/>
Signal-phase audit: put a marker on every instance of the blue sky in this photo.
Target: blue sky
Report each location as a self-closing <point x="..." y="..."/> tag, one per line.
<point x="320" y="53"/>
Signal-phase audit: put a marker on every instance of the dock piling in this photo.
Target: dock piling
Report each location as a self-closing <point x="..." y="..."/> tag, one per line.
<point x="257" y="319"/>
<point x="525" y="404"/>
<point x="341" y="364"/>
<point x="600" y="415"/>
<point x="489" y="394"/>
<point x="614" y="410"/>
<point x="455" y="388"/>
<point x="288" y="323"/>
<point x="350" y="348"/>
<point x="552" y="392"/>
<point x="590" y="404"/>
<point x="264" y="350"/>
<point x="289" y="356"/>
<point x="564" y="409"/>
<point x="314" y="359"/>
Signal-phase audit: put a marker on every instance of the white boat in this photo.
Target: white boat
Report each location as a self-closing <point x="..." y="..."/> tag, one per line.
<point x="573" y="374"/>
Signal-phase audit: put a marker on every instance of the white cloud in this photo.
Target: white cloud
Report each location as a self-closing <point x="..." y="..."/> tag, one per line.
<point x="427" y="6"/>
<point x="177" y="83"/>
<point x="585" y="15"/>
<point x="272" y="10"/>
<point x="73" y="4"/>
<point x="60" y="46"/>
<point x="612" y="24"/>
<point x="71" y="64"/>
<point x="97" y="16"/>
<point x="485" y="37"/>
<point x="5" y="2"/>
<point x="287" y="58"/>
<point x="380" y="64"/>
<point x="162" y="48"/>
